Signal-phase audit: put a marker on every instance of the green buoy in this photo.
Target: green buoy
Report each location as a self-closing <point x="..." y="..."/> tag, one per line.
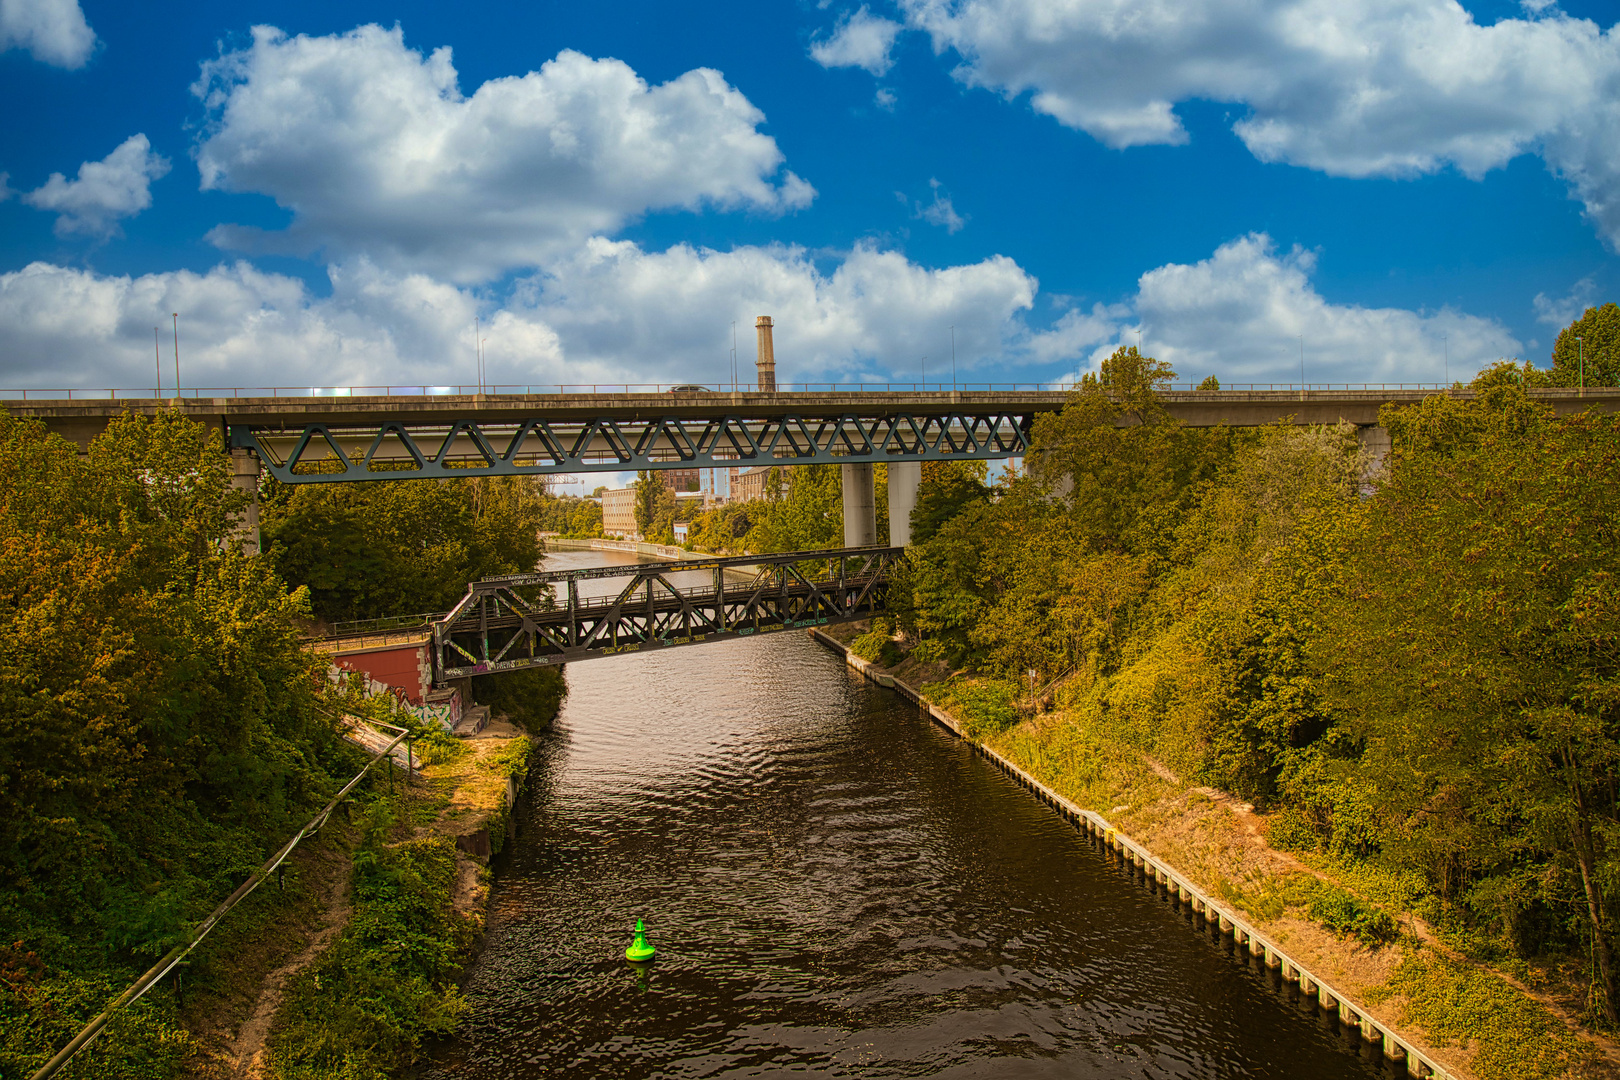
<point x="640" y="951"/>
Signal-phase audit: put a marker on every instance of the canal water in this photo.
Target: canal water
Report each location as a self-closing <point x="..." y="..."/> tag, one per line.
<point x="836" y="887"/>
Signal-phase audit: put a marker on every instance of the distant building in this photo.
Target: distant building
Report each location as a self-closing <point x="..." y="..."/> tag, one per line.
<point x="750" y="484"/>
<point x="680" y="532"/>
<point x="619" y="512"/>
<point x="679" y="480"/>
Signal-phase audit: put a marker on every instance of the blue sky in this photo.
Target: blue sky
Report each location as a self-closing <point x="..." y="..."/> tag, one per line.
<point x="1394" y="186"/>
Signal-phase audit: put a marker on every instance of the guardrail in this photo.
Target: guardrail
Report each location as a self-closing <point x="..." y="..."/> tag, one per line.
<point x="536" y="389"/>
<point x="356" y="627"/>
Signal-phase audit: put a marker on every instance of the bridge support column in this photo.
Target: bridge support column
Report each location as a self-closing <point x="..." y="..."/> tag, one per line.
<point x="245" y="478"/>
<point x="904" y="479"/>
<point x="860" y="506"/>
<point x="1375" y="442"/>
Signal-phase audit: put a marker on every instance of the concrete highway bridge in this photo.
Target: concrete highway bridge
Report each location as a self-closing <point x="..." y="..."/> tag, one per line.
<point x="335" y="437"/>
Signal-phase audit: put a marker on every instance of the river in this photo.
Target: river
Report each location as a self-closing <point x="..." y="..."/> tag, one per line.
<point x="836" y="887"/>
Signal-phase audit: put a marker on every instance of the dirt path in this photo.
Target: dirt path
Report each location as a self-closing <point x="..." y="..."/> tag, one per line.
<point x="248" y="1052"/>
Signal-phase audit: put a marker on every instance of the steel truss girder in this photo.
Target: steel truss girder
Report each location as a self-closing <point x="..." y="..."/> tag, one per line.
<point x="400" y="450"/>
<point x="496" y="628"/>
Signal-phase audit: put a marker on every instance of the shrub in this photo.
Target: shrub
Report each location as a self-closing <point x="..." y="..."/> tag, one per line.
<point x="1345" y="914"/>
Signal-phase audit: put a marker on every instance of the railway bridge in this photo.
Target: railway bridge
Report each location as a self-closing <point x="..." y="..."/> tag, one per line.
<point x="358" y="434"/>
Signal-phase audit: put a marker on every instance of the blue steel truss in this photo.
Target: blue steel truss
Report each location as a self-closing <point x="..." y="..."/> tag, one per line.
<point x="398" y="450"/>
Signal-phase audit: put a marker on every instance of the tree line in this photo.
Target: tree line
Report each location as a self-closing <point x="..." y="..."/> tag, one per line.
<point x="1413" y="664"/>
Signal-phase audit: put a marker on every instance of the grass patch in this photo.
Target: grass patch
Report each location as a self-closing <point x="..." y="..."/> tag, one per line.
<point x="1074" y="762"/>
<point x="1514" y="1037"/>
<point x="985" y="707"/>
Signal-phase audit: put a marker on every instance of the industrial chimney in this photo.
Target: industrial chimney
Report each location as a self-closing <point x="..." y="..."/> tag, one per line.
<point x="767" y="355"/>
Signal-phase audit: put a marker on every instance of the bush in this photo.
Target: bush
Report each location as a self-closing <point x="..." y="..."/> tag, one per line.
<point x="1345" y="914"/>
<point x="876" y="647"/>
<point x="1293" y="830"/>
<point x="42" y="1012"/>
<point x="931" y="651"/>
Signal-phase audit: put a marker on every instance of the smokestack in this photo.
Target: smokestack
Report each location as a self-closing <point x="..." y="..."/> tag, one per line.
<point x="767" y="355"/>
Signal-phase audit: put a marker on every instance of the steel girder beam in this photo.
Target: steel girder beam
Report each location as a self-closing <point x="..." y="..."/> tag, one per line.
<point x="496" y="627"/>
<point x="400" y="450"/>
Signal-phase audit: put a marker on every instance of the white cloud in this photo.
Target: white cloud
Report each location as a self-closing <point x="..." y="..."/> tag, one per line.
<point x="874" y="313"/>
<point x="377" y="152"/>
<point x="53" y="31"/>
<point x="61" y="326"/>
<point x="1244" y="313"/>
<point x="860" y="40"/>
<point x="118" y="186"/>
<point x="1565" y="310"/>
<point x="610" y="313"/>
<point x="885" y="99"/>
<point x="1349" y="87"/>
<point x="940" y="211"/>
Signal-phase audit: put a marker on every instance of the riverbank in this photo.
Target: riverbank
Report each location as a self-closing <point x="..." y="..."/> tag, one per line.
<point x="350" y="969"/>
<point x="1319" y="935"/>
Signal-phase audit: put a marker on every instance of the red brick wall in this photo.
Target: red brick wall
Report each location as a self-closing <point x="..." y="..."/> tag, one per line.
<point x="400" y="667"/>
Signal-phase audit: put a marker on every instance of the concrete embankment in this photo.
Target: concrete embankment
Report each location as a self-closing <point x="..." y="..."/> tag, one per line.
<point x="1402" y="1048"/>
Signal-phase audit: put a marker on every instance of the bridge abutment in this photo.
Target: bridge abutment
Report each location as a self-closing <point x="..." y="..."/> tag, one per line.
<point x="904" y="479"/>
<point x="860" y="506"/>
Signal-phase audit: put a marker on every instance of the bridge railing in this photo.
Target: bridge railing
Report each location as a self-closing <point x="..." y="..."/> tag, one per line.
<point x="356" y="627"/>
<point x="588" y="389"/>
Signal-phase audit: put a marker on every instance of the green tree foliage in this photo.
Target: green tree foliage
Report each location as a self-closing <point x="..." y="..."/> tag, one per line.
<point x="649" y="491"/>
<point x="808" y="516"/>
<point x="570" y="516"/>
<point x="1598" y="348"/>
<point x="159" y="720"/>
<point x="1125" y="466"/>
<point x="1417" y="668"/>
<point x="1476" y="658"/>
<point x="398" y="547"/>
<point x="723" y="530"/>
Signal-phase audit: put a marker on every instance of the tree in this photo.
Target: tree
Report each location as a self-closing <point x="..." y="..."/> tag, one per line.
<point x="648" y="487"/>
<point x="809" y="516"/>
<point x="158" y="719"/>
<point x="1123" y="462"/>
<point x="399" y="547"/>
<point x="1598" y="349"/>
<point x="1474" y="653"/>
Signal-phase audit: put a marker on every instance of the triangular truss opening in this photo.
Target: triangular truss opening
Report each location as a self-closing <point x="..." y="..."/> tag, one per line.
<point x="393" y="450"/>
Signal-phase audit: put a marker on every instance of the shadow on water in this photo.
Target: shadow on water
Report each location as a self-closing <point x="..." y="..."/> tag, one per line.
<point x="837" y="887"/>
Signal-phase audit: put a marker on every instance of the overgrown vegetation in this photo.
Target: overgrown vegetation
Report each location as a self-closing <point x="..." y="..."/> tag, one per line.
<point x="160" y="725"/>
<point x="1413" y="665"/>
<point x="364" y="1007"/>
<point x="402" y="547"/>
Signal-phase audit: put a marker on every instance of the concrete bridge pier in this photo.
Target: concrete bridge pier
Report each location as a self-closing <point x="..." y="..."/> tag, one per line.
<point x="904" y="479"/>
<point x="245" y="477"/>
<point x="1375" y="442"/>
<point x="860" y="506"/>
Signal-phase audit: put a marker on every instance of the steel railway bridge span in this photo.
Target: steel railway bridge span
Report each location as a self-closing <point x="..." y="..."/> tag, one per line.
<point x="512" y="623"/>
